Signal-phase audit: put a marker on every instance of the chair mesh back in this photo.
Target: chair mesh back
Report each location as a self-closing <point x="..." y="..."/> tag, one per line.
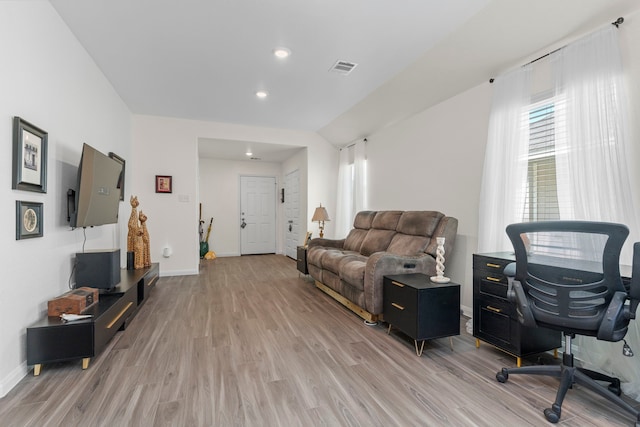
<point x="569" y="270"/>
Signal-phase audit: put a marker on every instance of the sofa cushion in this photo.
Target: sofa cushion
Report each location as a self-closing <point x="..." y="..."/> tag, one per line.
<point x="352" y="271"/>
<point x="354" y="240"/>
<point x="403" y="244"/>
<point x="333" y="260"/>
<point x="419" y="223"/>
<point x="376" y="241"/>
<point x="386" y="220"/>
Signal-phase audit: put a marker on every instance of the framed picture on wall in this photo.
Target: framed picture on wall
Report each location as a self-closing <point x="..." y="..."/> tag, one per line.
<point x="28" y="220"/>
<point x="164" y="184"/>
<point x="29" y="157"/>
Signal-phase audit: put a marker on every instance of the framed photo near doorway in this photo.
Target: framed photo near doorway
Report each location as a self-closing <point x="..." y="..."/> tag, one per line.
<point x="29" y="157"/>
<point x="164" y="184"/>
<point x="28" y="220"/>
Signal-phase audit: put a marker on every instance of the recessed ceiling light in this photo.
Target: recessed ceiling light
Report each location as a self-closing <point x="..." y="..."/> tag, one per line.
<point x="262" y="94"/>
<point x="281" y="52"/>
<point x="249" y="153"/>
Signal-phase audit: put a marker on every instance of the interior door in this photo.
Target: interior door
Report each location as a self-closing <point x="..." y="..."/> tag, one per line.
<point x="292" y="213"/>
<point x="257" y="215"/>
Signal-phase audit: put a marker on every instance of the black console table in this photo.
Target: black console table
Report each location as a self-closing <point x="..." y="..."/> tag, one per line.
<point x="53" y="340"/>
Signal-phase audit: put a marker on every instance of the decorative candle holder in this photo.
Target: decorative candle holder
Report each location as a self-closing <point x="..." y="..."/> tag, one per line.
<point x="439" y="277"/>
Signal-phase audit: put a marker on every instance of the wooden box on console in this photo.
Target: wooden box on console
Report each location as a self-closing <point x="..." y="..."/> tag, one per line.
<point x="73" y="302"/>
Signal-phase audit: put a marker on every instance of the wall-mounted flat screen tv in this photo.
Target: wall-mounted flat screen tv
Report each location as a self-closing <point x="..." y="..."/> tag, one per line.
<point x="97" y="196"/>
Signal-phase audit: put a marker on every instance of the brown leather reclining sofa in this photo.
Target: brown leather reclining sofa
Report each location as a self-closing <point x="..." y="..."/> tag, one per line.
<point x="381" y="243"/>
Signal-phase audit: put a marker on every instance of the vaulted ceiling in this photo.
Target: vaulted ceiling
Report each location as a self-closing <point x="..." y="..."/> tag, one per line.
<point x="206" y="59"/>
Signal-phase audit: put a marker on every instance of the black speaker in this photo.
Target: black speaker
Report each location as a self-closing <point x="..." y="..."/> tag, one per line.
<point x="98" y="269"/>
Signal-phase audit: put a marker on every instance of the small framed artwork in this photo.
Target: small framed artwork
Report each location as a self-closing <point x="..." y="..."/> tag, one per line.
<point x="307" y="238"/>
<point x="164" y="184"/>
<point x="28" y="220"/>
<point x="121" y="178"/>
<point x="29" y="157"/>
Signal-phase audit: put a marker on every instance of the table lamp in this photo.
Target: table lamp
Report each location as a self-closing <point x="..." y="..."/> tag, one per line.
<point x="320" y="216"/>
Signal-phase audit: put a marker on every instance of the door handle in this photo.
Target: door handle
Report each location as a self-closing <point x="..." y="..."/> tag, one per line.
<point x="290" y="227"/>
<point x="244" y="224"/>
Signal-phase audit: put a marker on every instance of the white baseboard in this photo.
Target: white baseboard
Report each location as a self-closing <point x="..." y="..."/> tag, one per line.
<point x="467" y="311"/>
<point x="11" y="380"/>
<point x="166" y="273"/>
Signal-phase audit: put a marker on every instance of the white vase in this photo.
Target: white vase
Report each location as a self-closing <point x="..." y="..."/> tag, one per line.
<point x="439" y="277"/>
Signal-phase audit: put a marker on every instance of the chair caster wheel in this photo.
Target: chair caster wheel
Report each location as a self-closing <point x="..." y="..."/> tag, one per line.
<point x="551" y="415"/>
<point x="502" y="376"/>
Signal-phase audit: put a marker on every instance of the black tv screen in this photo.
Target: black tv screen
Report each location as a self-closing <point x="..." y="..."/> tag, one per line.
<point x="97" y="198"/>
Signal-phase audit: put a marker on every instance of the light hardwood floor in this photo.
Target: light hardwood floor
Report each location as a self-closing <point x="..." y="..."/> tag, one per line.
<point x="250" y="342"/>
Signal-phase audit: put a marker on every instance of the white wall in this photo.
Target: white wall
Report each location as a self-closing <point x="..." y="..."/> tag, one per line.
<point x="166" y="146"/>
<point x="48" y="79"/>
<point x="433" y="161"/>
<point x="220" y="197"/>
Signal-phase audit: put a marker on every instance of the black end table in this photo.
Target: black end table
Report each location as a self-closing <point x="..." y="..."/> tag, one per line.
<point x="422" y="309"/>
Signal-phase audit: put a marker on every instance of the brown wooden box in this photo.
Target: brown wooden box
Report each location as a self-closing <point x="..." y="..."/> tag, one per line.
<point x="73" y="302"/>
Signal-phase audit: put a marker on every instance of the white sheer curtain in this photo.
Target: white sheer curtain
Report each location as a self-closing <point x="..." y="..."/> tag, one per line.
<point x="344" y="217"/>
<point x="504" y="176"/>
<point x="359" y="177"/>
<point x="592" y="150"/>
<point x="352" y="186"/>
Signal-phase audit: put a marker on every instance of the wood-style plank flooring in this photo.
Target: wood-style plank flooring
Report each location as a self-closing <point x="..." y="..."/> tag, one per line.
<point x="250" y="342"/>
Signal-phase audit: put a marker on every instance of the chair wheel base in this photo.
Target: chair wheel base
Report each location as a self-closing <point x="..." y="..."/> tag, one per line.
<point x="552" y="415"/>
<point x="502" y="376"/>
<point x="614" y="387"/>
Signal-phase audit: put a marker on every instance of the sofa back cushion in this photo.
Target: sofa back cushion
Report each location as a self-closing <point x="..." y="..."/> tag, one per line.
<point x="407" y="245"/>
<point x="354" y="240"/>
<point x="361" y="225"/>
<point x="364" y="219"/>
<point x="386" y="220"/>
<point x="376" y="241"/>
<point x="419" y="223"/>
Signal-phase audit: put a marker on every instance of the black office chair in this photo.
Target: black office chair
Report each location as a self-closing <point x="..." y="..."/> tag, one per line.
<point x="567" y="277"/>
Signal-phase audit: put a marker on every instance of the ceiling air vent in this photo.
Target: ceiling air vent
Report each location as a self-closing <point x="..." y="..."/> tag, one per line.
<point x="343" y="67"/>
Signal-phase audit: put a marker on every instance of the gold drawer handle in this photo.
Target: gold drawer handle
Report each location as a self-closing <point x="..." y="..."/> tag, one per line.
<point x="401" y="285"/>
<point x="398" y="306"/>
<point x="124" y="310"/>
<point x="495" y="310"/>
<point x="153" y="280"/>
<point x="493" y="279"/>
<point x="493" y="265"/>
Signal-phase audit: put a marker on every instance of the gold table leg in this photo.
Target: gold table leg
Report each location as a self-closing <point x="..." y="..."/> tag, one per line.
<point x="418" y="351"/>
<point x="85" y="362"/>
<point x="36" y="369"/>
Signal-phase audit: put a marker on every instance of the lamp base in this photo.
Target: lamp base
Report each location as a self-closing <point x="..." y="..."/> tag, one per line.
<point x="436" y="279"/>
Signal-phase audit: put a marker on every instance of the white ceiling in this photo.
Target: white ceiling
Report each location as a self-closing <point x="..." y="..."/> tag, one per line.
<point x="205" y="59"/>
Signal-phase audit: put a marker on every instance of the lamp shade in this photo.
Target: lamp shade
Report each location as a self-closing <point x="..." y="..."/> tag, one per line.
<point x="320" y="214"/>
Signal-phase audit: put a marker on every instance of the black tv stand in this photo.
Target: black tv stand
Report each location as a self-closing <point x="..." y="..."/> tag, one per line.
<point x="53" y="340"/>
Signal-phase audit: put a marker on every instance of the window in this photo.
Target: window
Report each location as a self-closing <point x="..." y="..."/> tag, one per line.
<point x="541" y="200"/>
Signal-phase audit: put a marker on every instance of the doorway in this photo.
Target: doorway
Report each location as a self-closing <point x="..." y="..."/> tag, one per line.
<point x="292" y="213"/>
<point x="257" y="215"/>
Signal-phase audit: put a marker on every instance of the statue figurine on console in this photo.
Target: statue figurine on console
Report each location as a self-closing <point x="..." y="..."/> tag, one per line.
<point x="146" y="249"/>
<point x="133" y="224"/>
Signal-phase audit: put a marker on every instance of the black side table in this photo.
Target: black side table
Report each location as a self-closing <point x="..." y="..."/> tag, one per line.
<point x="301" y="262"/>
<point x="422" y="309"/>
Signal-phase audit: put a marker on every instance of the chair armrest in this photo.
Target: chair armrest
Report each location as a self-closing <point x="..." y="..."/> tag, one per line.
<point x="328" y="243"/>
<point x="382" y="264"/>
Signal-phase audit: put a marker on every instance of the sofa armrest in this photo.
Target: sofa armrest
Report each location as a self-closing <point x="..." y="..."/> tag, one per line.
<point x="382" y="264"/>
<point x="327" y="243"/>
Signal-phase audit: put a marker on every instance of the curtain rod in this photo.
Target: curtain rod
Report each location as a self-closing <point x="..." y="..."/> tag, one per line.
<point x="617" y="24"/>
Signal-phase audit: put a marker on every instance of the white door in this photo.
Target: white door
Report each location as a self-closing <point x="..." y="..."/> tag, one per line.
<point x="257" y="215"/>
<point x="292" y="213"/>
